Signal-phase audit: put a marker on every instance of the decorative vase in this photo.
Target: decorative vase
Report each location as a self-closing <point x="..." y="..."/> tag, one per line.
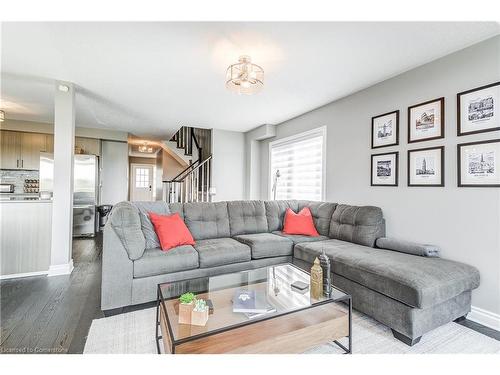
<point x="185" y="310"/>
<point x="316" y="280"/>
<point x="325" y="266"/>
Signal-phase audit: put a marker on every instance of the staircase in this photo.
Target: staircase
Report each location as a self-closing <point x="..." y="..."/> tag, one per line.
<point x="194" y="182"/>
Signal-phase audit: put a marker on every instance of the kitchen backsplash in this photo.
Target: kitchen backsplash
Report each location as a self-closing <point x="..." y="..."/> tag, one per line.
<point x="17" y="178"/>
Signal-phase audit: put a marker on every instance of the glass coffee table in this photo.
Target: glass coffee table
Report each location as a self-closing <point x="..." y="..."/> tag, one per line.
<point x="296" y="321"/>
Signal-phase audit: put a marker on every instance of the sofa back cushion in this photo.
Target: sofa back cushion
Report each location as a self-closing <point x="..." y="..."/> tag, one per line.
<point x="157" y="207"/>
<point x="126" y="223"/>
<point x="322" y="213"/>
<point x="177" y="208"/>
<point x="207" y="220"/>
<point x="275" y="212"/>
<point x="247" y="217"/>
<point x="361" y="225"/>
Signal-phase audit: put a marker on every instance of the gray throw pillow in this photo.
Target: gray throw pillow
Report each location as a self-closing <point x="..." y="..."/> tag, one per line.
<point x="158" y="207"/>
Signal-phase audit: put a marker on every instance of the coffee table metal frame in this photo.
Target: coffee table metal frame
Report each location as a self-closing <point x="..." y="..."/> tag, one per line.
<point x="347" y="299"/>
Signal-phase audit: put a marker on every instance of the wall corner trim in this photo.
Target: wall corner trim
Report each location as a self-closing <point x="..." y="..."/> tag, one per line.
<point x="485" y="318"/>
<point x="60" y="269"/>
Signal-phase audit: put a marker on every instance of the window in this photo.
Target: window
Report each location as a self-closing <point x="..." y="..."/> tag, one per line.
<point x="142" y="177"/>
<point x="297" y="166"/>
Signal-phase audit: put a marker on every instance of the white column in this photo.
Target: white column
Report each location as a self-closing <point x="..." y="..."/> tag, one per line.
<point x="61" y="260"/>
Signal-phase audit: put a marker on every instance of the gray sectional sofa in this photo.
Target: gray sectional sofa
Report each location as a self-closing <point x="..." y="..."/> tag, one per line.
<point x="411" y="294"/>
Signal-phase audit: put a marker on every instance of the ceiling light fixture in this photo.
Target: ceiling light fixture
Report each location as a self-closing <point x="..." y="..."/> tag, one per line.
<point x="244" y="77"/>
<point x="2" y="116"/>
<point x="145" y="148"/>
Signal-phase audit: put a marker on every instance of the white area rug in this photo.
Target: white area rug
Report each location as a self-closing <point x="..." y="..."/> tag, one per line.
<point x="135" y="333"/>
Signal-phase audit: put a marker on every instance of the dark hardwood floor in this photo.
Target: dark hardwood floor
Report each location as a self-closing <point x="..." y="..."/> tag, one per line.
<point x="53" y="314"/>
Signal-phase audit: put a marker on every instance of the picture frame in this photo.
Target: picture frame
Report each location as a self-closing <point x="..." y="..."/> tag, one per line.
<point x="426" y="167"/>
<point x="385" y="130"/>
<point x="426" y="121"/>
<point x="478" y="164"/>
<point x="478" y="110"/>
<point x="384" y="169"/>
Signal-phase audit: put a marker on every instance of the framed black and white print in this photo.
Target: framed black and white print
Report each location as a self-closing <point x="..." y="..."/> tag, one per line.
<point x="426" y="166"/>
<point x="478" y="110"/>
<point x="426" y="121"/>
<point x="479" y="164"/>
<point x="384" y="169"/>
<point x="385" y="130"/>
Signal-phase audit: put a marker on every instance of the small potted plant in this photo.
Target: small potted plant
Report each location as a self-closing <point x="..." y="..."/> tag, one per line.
<point x="199" y="315"/>
<point x="186" y="305"/>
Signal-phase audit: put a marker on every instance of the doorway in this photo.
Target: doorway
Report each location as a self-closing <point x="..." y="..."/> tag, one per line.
<point x="142" y="182"/>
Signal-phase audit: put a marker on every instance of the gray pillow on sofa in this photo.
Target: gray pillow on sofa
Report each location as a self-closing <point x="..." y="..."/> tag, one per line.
<point x="407" y="247"/>
<point x="158" y="207"/>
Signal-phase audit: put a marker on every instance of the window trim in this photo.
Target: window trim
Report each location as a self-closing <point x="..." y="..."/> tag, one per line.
<point x="297" y="137"/>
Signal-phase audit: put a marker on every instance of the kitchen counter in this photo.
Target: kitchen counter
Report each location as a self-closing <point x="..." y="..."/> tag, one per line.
<point x="24" y="200"/>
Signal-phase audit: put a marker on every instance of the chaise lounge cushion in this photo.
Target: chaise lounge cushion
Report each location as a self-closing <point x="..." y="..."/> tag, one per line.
<point x="247" y="217"/>
<point x="298" y="238"/>
<point x="207" y="220"/>
<point x="221" y="251"/>
<point x="361" y="225"/>
<point x="266" y="245"/>
<point x="416" y="281"/>
<point x="157" y="262"/>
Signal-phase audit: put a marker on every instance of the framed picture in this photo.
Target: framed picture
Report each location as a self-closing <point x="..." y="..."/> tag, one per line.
<point x="426" y="166"/>
<point x="478" y="110"/>
<point x="385" y="130"/>
<point x="384" y="170"/>
<point x="426" y="121"/>
<point x="479" y="164"/>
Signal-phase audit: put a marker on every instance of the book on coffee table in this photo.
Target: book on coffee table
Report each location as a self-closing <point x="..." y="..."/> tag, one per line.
<point x="250" y="301"/>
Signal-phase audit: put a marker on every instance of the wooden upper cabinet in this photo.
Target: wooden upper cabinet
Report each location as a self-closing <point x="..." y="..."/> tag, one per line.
<point x="89" y="146"/>
<point x="49" y="141"/>
<point x="10" y="150"/>
<point x="31" y="146"/>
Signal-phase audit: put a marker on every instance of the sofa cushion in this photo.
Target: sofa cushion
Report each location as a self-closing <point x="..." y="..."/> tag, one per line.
<point x="247" y="217"/>
<point x="221" y="251"/>
<point x="266" y="245"/>
<point x="126" y="223"/>
<point x="275" y="212"/>
<point x="158" y="207"/>
<point x="414" y="280"/>
<point x="321" y="213"/>
<point x="157" y="262"/>
<point x="361" y="225"/>
<point x="207" y="220"/>
<point x="298" y="238"/>
<point x="177" y="208"/>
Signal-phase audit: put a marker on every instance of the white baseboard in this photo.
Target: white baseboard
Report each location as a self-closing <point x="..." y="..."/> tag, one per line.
<point x="61" y="269"/>
<point x="484" y="317"/>
<point x="26" y="274"/>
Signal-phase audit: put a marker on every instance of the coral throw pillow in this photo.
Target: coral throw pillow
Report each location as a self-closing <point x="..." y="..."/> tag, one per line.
<point x="301" y="223"/>
<point x="171" y="231"/>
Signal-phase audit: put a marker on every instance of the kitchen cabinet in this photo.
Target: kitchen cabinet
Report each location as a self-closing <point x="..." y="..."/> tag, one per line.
<point x="90" y="146"/>
<point x="20" y="150"/>
<point x="10" y="152"/>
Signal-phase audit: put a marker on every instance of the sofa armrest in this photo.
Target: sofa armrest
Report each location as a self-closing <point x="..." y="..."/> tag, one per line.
<point x="117" y="272"/>
<point x="407" y="247"/>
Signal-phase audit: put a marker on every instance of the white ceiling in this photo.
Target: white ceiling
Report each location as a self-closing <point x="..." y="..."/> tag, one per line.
<point x="151" y="78"/>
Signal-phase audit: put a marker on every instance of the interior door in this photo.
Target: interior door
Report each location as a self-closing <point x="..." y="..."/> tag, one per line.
<point x="142" y="181"/>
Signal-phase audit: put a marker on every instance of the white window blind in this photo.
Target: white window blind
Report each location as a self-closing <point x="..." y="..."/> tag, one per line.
<point x="300" y="162"/>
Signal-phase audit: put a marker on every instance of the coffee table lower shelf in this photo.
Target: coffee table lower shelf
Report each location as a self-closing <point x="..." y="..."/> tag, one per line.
<point x="292" y="333"/>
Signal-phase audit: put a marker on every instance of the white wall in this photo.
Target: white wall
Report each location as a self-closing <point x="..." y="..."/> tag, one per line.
<point x="114" y="172"/>
<point x="464" y="222"/>
<point x="228" y="165"/>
